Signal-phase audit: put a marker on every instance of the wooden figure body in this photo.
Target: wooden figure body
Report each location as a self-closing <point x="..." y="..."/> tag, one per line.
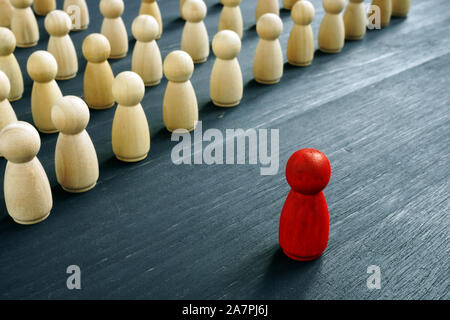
<point x="9" y="64"/>
<point x="79" y="13"/>
<point x="266" y="6"/>
<point x="151" y="8"/>
<point x="231" y="17"/>
<point x="268" y="61"/>
<point x="305" y="223"/>
<point x="332" y="29"/>
<point x="6" y="10"/>
<point x="7" y="114"/>
<point x="113" y="27"/>
<point x="27" y="190"/>
<point x="76" y="162"/>
<point x="130" y="131"/>
<point x="288" y="4"/>
<point x="44" y="7"/>
<point x="385" y="11"/>
<point x="180" y="108"/>
<point x="42" y="68"/>
<point x="98" y="76"/>
<point x="60" y="45"/>
<point x="195" y="39"/>
<point x="24" y="24"/>
<point x="355" y="20"/>
<point x="300" y="50"/>
<point x="146" y="60"/>
<point x="226" y="83"/>
<point x="400" y="8"/>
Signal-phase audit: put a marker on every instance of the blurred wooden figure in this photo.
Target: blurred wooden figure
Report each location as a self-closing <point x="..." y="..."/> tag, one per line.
<point x="7" y="114"/>
<point x="195" y="39"/>
<point x="44" y="7"/>
<point x="60" y="45"/>
<point x="78" y="12"/>
<point x="146" y="60"/>
<point x="355" y="20"/>
<point x="300" y="49"/>
<point x="180" y="107"/>
<point x="9" y="64"/>
<point x="385" y="11"/>
<point x="113" y="27"/>
<point x="27" y="190"/>
<point x="226" y="83"/>
<point x="231" y="17"/>
<point x="42" y="68"/>
<point x="332" y="29"/>
<point x="288" y="4"/>
<point x="98" y="76"/>
<point x="130" y="131"/>
<point x="400" y="8"/>
<point x="24" y="24"/>
<point x="6" y="10"/>
<point x="266" y="6"/>
<point x="76" y="162"/>
<point x="268" y="61"/>
<point x="151" y="8"/>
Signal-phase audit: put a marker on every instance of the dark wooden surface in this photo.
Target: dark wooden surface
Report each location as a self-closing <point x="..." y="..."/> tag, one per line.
<point x="380" y="112"/>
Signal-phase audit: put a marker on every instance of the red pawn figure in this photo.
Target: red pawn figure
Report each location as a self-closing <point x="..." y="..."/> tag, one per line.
<point x="305" y="223"/>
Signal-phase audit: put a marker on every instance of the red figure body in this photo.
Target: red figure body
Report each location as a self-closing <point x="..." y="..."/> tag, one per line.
<point x="305" y="223"/>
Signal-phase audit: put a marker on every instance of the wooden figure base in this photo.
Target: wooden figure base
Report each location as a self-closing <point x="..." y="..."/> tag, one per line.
<point x="324" y="50"/>
<point x="79" y="190"/>
<point x="153" y="83"/>
<point x="66" y="77"/>
<point x="268" y="81"/>
<point x="30" y="222"/>
<point x="226" y="105"/>
<point x="123" y="55"/>
<point x="200" y="60"/>
<point x="302" y="258"/>
<point x="102" y="107"/>
<point x="133" y="159"/>
<point x="351" y="38"/>
<point x="15" y="98"/>
<point x="172" y="130"/>
<point x="80" y="29"/>
<point x="27" y="45"/>
<point x="300" y="64"/>
<point x="47" y="131"/>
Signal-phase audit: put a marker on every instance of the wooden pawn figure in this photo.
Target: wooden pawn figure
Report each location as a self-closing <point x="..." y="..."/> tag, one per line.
<point x="266" y="6"/>
<point x="180" y="108"/>
<point x="44" y="7"/>
<point x="400" y="8"/>
<point x="385" y="11"/>
<point x="9" y="64"/>
<point x="98" y="76"/>
<point x="146" y="60"/>
<point x="194" y="39"/>
<point x="231" y="17"/>
<point x="6" y="10"/>
<point x="76" y="162"/>
<point x="79" y="13"/>
<point x="27" y="190"/>
<point x="226" y="83"/>
<point x="151" y="8"/>
<point x="60" y="45"/>
<point x="42" y="68"/>
<point x="288" y="4"/>
<point x="7" y="114"/>
<point x="24" y="24"/>
<point x="268" y="61"/>
<point x="355" y="20"/>
<point x="300" y="49"/>
<point x="332" y="29"/>
<point x="113" y="27"/>
<point x="130" y="131"/>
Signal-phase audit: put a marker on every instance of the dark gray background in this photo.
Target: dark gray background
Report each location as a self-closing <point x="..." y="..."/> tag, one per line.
<point x="379" y="111"/>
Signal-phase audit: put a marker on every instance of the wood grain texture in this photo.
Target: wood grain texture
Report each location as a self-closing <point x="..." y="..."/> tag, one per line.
<point x="379" y="110"/>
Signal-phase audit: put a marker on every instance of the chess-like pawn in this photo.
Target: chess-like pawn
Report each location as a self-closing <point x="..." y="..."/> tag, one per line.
<point x="268" y="61"/>
<point x="60" y="45"/>
<point x="300" y="49"/>
<point x="7" y="114"/>
<point x="42" y="68"/>
<point x="231" y="17"/>
<point x="288" y="4"/>
<point x="226" y="83"/>
<point x="6" y="10"/>
<point x="266" y="6"/>
<point x="79" y="13"/>
<point x="400" y="8"/>
<point x="385" y="11"/>
<point x="27" y="190"/>
<point x="355" y="20"/>
<point x="9" y="64"/>
<point x="195" y="39"/>
<point x="98" y="76"/>
<point x="332" y="29"/>
<point x="113" y="27"/>
<point x="305" y="222"/>
<point x="24" y="24"/>
<point x="151" y="8"/>
<point x="146" y="60"/>
<point x="130" y="131"/>
<point x="44" y="7"/>
<point x="180" y="108"/>
<point x="76" y="162"/>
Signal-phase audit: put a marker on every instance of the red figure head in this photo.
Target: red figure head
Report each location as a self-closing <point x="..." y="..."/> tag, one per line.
<point x="308" y="171"/>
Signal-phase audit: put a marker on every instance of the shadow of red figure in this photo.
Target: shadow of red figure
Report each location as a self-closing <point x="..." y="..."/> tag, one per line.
<point x="305" y="223"/>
